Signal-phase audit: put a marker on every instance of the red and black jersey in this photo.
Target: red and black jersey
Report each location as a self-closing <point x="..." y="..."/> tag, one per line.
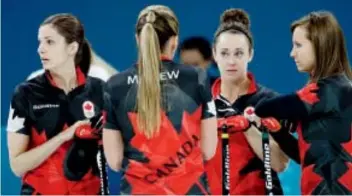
<point x="324" y="113"/>
<point x="170" y="162"/>
<point x="246" y="168"/>
<point x="41" y="110"/>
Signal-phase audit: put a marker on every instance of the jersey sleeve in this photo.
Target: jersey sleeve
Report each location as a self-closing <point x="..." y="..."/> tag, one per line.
<point x="18" y="115"/>
<point x="207" y="102"/>
<point x="318" y="98"/>
<point x="313" y="99"/>
<point x="110" y="105"/>
<point x="284" y="138"/>
<point x="287" y="142"/>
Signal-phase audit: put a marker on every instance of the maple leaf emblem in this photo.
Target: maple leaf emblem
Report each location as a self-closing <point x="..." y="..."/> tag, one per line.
<point x="176" y="162"/>
<point x="14" y="122"/>
<point x="52" y="171"/>
<point x="308" y="94"/>
<point x="38" y="137"/>
<point x="88" y="106"/>
<point x="346" y="178"/>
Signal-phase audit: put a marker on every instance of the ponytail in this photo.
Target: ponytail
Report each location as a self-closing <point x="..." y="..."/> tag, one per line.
<point x="84" y="57"/>
<point x="149" y="90"/>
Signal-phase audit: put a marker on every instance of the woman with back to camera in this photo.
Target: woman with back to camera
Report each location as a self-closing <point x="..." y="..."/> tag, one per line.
<point x="56" y="117"/>
<point x="161" y="123"/>
<point x="323" y="107"/>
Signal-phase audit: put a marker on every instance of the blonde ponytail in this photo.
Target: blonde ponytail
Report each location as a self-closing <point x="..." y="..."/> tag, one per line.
<point x="149" y="93"/>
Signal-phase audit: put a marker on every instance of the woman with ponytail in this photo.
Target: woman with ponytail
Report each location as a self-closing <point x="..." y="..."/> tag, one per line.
<point x="161" y="123"/>
<point x="55" y="119"/>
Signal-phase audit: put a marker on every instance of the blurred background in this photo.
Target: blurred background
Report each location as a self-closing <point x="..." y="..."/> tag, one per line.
<point x="109" y="27"/>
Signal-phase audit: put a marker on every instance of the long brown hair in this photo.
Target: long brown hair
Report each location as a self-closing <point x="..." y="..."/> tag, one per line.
<point x="156" y="24"/>
<point x="326" y="35"/>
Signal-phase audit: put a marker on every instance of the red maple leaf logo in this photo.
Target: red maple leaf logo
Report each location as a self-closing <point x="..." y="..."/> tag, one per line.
<point x="176" y="161"/>
<point x="38" y="137"/>
<point x="52" y="170"/>
<point x="346" y="178"/>
<point x="308" y="94"/>
<point x="88" y="106"/>
<point x="307" y="172"/>
<point x="303" y="145"/>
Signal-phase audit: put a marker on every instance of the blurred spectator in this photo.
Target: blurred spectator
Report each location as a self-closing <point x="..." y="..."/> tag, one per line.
<point x="196" y="51"/>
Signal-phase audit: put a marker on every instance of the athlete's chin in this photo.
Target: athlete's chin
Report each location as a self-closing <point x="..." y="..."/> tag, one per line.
<point x="302" y="69"/>
<point x="48" y="66"/>
<point x="232" y="76"/>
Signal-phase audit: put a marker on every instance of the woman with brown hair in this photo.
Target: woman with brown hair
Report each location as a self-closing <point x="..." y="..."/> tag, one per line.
<point x="55" y="119"/>
<point x="323" y="107"/>
<point x="237" y="167"/>
<point x="161" y="123"/>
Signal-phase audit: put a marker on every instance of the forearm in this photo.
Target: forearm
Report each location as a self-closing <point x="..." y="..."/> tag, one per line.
<point x="31" y="159"/>
<point x="209" y="137"/>
<point x="113" y="148"/>
<point x="279" y="159"/>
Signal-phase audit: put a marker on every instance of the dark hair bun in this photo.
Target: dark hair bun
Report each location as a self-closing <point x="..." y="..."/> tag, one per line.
<point x="235" y="15"/>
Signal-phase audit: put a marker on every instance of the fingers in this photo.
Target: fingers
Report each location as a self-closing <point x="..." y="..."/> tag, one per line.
<point x="82" y="122"/>
<point x="233" y="124"/>
<point x="86" y="132"/>
<point x="221" y="123"/>
<point x="249" y="113"/>
<point x="238" y="123"/>
<point x="271" y="124"/>
<point x="89" y="128"/>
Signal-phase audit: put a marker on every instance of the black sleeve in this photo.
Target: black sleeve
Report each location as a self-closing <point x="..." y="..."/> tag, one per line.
<point x="326" y="100"/>
<point x="284" y="138"/>
<point x="287" y="142"/>
<point x="110" y="108"/>
<point x="298" y="106"/>
<point x="18" y="115"/>
<point x="282" y="107"/>
<point x="204" y="89"/>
